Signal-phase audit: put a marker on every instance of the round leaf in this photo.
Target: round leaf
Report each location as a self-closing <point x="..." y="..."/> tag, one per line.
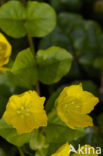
<point x="24" y="69"/>
<point x="38" y="141"/>
<point x="12" y="15"/>
<point x="53" y="64"/>
<point x="41" y="19"/>
<point x="37" y="19"/>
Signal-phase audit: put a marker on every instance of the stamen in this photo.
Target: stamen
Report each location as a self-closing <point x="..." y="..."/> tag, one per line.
<point x="18" y="111"/>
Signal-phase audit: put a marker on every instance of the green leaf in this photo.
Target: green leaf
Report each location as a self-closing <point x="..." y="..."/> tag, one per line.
<point x="41" y="19"/>
<point x="42" y="152"/>
<point x="37" y="19"/>
<point x="10" y="134"/>
<point x="24" y="69"/>
<point x="53" y="64"/>
<point x="12" y="15"/>
<point x="38" y="141"/>
<point x="53" y="148"/>
<point x="81" y="37"/>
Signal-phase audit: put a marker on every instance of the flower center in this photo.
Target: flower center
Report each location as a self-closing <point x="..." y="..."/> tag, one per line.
<point x="23" y="111"/>
<point x="3" y="48"/>
<point x="71" y="104"/>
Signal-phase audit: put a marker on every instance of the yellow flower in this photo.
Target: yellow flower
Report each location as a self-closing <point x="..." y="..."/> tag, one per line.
<point x="25" y="112"/>
<point x="86" y="150"/>
<point x="5" y="51"/>
<point x="63" y="150"/>
<point x="74" y="104"/>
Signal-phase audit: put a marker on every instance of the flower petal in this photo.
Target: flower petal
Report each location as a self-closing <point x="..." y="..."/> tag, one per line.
<point x="63" y="150"/>
<point x="88" y="102"/>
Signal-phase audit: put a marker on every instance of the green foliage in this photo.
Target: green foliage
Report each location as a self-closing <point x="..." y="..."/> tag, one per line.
<point x="10" y="134"/>
<point x="11" y="16"/>
<point x="38" y="141"/>
<point x="37" y="19"/>
<point x="41" y="19"/>
<point x="82" y="38"/>
<point x="24" y="69"/>
<point x="27" y="68"/>
<point x="53" y="64"/>
<point x="73" y="5"/>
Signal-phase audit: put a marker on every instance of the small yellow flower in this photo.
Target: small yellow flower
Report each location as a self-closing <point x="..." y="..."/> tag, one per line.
<point x="86" y="150"/>
<point x="5" y="51"/>
<point x="63" y="150"/>
<point x="74" y="104"/>
<point x="25" y="112"/>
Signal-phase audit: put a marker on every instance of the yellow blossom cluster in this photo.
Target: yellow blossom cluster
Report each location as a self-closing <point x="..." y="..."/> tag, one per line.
<point x="25" y="112"/>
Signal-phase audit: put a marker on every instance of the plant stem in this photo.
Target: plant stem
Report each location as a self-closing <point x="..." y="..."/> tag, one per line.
<point x="32" y="47"/>
<point x="20" y="151"/>
<point x="38" y="87"/>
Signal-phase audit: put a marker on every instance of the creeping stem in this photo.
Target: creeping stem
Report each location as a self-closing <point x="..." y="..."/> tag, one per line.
<point x="32" y="47"/>
<point x="31" y="44"/>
